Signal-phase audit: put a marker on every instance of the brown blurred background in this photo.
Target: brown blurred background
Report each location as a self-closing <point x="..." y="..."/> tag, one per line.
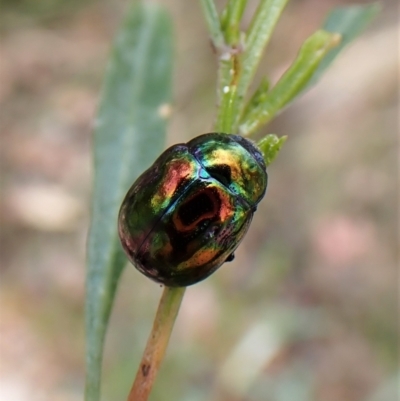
<point x="308" y="309"/>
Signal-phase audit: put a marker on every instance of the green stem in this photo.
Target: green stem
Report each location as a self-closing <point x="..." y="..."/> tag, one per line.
<point x="228" y="72"/>
<point x="157" y="343"/>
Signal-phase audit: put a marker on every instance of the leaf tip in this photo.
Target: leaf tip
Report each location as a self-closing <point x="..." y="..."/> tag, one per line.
<point x="270" y="146"/>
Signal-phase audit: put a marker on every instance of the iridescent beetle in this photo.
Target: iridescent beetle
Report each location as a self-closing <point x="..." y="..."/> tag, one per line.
<point x="185" y="215"/>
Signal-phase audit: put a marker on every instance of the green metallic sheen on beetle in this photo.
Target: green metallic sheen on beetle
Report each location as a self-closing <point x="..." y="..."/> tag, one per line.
<point x="186" y="214"/>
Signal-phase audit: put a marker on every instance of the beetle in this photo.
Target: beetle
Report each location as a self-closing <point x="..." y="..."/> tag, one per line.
<point x="187" y="213"/>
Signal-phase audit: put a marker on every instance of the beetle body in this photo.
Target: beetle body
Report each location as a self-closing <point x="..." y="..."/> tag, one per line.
<point x="186" y="214"/>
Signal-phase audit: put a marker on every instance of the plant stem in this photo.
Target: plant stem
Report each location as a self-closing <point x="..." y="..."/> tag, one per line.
<point x="157" y="343"/>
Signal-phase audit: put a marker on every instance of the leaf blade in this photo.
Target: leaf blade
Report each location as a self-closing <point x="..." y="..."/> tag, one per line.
<point x="137" y="85"/>
<point x="292" y="82"/>
<point x="214" y="25"/>
<point x="348" y="22"/>
<point x="344" y="22"/>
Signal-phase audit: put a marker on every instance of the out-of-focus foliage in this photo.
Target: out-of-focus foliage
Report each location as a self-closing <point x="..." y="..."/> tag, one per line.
<point x="311" y="296"/>
<point x="130" y="132"/>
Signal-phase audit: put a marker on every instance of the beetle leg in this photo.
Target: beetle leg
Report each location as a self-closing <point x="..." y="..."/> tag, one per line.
<point x="230" y="257"/>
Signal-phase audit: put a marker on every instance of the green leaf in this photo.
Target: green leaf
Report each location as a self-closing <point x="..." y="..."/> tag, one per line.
<point x="129" y="135"/>
<point x="293" y="81"/>
<point x="258" y="36"/>
<point x="349" y="22"/>
<point x="270" y="146"/>
<point x="213" y="23"/>
<point x="258" y="96"/>
<point x="231" y="22"/>
<point x="315" y="56"/>
<point x="237" y="66"/>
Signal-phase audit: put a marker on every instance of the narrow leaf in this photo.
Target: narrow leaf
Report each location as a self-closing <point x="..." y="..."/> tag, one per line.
<point x="271" y="145"/>
<point x="213" y="22"/>
<point x="237" y="66"/>
<point x="346" y="23"/>
<point x="260" y="32"/>
<point x="258" y="96"/>
<point x="258" y="36"/>
<point x="129" y="135"/>
<point x="292" y="82"/>
<point x="231" y="22"/>
<point x="349" y="22"/>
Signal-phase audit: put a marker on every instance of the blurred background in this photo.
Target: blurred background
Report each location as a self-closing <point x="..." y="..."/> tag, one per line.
<point x="308" y="309"/>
